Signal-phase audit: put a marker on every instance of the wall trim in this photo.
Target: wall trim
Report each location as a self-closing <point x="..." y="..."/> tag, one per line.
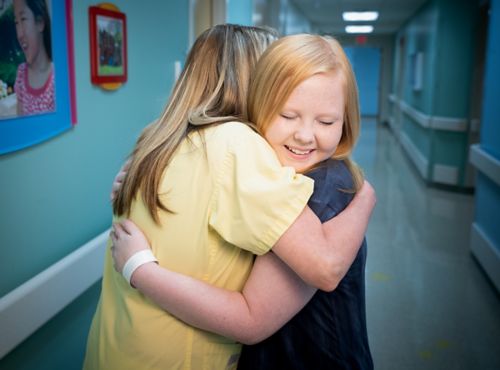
<point x="486" y="253"/>
<point x="29" y="306"/>
<point x="421" y="118"/>
<point x="434" y="122"/>
<point x="448" y="123"/>
<point x="445" y="174"/>
<point x="415" y="155"/>
<point x="485" y="163"/>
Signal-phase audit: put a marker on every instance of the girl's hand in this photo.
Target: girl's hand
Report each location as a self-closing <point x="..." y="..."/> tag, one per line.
<point x="118" y="181"/>
<point x="127" y="240"/>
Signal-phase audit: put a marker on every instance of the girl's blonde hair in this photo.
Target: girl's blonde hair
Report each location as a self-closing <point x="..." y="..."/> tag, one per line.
<point x="290" y="61"/>
<point x="212" y="88"/>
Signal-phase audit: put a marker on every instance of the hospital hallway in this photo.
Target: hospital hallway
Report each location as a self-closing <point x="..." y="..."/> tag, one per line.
<point x="427" y="75"/>
<point x="429" y="304"/>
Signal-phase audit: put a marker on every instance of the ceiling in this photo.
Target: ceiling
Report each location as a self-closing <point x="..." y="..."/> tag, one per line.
<point x="326" y="15"/>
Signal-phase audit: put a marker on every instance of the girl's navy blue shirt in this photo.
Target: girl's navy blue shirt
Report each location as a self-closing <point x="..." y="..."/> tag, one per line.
<point x="330" y="331"/>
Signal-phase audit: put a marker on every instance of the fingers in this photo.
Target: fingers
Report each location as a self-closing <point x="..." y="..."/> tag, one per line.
<point x="117" y="184"/>
<point x="128" y="226"/>
<point x="118" y="180"/>
<point x="119" y="231"/>
<point x="126" y="165"/>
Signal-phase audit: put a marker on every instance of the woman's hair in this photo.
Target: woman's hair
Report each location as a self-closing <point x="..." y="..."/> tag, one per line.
<point x="41" y="13"/>
<point x="290" y="61"/>
<point x="212" y="88"/>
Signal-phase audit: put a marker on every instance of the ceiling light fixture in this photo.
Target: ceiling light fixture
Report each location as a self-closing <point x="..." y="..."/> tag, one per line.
<point x="359" y="29"/>
<point x="359" y="16"/>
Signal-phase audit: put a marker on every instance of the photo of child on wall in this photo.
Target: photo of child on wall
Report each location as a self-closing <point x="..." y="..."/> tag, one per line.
<point x="27" y="84"/>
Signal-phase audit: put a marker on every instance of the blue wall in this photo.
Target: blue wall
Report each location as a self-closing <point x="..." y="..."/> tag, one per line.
<point x="490" y="130"/>
<point x="488" y="185"/>
<point x="55" y="195"/>
<point x="366" y="65"/>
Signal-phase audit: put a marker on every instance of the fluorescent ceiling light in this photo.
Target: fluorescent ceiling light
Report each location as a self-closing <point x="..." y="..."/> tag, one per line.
<point x="359" y="16"/>
<point x="359" y="29"/>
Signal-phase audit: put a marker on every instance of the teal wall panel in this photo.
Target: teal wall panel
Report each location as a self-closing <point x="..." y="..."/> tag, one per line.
<point x="419" y="135"/>
<point x="454" y="59"/>
<point x="420" y="37"/>
<point x="239" y="12"/>
<point x="449" y="148"/>
<point x="442" y="32"/>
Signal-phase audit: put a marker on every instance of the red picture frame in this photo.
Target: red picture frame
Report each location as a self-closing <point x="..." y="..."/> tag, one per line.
<point x="108" y="46"/>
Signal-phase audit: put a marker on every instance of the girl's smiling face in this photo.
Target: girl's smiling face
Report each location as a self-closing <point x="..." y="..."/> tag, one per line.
<point x="29" y="30"/>
<point x="309" y="126"/>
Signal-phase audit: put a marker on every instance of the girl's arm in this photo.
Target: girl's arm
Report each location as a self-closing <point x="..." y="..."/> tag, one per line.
<point x="321" y="254"/>
<point x="272" y="295"/>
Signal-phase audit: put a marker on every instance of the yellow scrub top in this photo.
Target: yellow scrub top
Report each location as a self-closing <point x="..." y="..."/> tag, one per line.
<point x="230" y="199"/>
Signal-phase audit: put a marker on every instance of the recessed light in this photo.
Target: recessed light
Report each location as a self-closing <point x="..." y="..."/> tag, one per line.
<point x="359" y="16"/>
<point x="359" y="29"/>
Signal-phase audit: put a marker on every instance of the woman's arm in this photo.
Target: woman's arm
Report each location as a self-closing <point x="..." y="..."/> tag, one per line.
<point x="272" y="295"/>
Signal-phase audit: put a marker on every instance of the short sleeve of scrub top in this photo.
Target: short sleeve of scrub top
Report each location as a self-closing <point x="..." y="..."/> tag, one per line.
<point x="255" y="199"/>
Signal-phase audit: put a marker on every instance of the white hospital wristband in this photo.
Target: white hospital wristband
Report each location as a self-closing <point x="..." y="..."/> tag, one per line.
<point x="138" y="259"/>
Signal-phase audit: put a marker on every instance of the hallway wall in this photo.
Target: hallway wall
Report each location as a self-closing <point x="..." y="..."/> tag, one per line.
<point x="366" y="63"/>
<point x="431" y="91"/>
<point x="55" y="195"/>
<point x="485" y="156"/>
<point x="239" y="12"/>
<point x="386" y="45"/>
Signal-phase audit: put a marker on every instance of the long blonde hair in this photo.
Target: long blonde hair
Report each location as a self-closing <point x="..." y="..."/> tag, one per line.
<point x="290" y="61"/>
<point x="212" y="88"/>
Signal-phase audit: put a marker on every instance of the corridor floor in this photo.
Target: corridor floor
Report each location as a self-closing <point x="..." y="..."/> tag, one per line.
<point x="429" y="304"/>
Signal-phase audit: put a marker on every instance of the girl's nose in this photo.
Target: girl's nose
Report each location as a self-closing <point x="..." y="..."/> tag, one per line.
<point x="304" y="134"/>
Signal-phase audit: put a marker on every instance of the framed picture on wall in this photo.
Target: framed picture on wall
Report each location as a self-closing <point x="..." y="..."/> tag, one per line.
<point x="108" y="45"/>
<point x="37" y="97"/>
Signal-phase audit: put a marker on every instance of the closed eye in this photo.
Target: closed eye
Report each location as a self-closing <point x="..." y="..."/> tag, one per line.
<point x="327" y="122"/>
<point x="287" y="116"/>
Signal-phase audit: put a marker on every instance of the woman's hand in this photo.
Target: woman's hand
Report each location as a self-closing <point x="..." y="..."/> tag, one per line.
<point x="118" y="181"/>
<point x="367" y="192"/>
<point x="127" y="240"/>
